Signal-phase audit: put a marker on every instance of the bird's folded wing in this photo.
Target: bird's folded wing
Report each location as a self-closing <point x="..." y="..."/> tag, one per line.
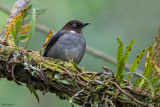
<point x="53" y="41"/>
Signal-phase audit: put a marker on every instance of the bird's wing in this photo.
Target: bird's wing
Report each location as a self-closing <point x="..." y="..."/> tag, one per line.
<point x="53" y="41"/>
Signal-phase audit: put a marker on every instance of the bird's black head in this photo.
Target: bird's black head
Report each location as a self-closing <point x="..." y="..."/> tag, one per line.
<point x="75" y="25"/>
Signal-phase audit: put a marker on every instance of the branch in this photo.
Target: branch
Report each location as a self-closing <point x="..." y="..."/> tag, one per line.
<point x="128" y="94"/>
<point x="5" y="9"/>
<point x="64" y="79"/>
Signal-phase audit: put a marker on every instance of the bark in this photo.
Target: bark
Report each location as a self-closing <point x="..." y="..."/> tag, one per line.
<point x="156" y="53"/>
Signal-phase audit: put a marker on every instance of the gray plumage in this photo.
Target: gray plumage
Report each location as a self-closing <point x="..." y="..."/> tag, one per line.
<point x="67" y="43"/>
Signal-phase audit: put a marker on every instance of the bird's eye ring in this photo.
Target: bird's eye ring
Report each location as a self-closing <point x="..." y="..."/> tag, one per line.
<point x="74" y="25"/>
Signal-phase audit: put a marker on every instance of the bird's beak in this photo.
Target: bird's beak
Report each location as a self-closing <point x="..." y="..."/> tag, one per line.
<point x="85" y="24"/>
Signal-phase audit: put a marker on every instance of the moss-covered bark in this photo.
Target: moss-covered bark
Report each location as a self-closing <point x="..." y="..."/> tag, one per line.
<point x="66" y="80"/>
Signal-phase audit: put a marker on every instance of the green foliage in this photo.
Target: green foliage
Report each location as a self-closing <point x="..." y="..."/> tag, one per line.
<point x="33" y="22"/>
<point x="5" y="49"/>
<point x="15" y="31"/>
<point x="121" y="60"/>
<point x="155" y="80"/>
<point x="148" y="65"/>
<point x="22" y="38"/>
<point x="28" y="11"/>
<point x="144" y="81"/>
<point x="32" y="90"/>
<point x="139" y="82"/>
<point x="147" y="70"/>
<point x="14" y="35"/>
<point x="136" y="62"/>
<point x="24" y="33"/>
<point x="41" y="10"/>
<point x="147" y="80"/>
<point x="120" y="50"/>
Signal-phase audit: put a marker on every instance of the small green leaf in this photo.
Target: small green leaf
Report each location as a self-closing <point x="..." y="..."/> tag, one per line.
<point x="139" y="83"/>
<point x="17" y="27"/>
<point x="128" y="50"/>
<point x="121" y="78"/>
<point x="33" y="22"/>
<point x="136" y="62"/>
<point x="120" y="50"/>
<point x="28" y="11"/>
<point x="29" y="7"/>
<point x="30" y="89"/>
<point x="35" y="94"/>
<point x="23" y="41"/>
<point x="154" y="80"/>
<point x="14" y="34"/>
<point x="158" y="88"/>
<point x="21" y="38"/>
<point x="41" y="10"/>
<point x="148" y="65"/>
<point x="120" y="66"/>
<point x="5" y="49"/>
<point x="146" y="79"/>
<point x="29" y="57"/>
<point x="148" y="68"/>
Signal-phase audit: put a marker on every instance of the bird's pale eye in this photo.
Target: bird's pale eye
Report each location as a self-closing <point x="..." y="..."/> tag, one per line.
<point x="74" y="25"/>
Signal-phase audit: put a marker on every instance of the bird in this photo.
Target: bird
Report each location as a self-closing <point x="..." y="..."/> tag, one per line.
<point x="68" y="43"/>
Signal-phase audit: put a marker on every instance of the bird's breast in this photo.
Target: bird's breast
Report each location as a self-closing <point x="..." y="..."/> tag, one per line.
<point x="70" y="45"/>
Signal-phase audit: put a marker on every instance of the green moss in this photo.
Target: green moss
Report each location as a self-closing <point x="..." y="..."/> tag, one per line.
<point x="110" y="92"/>
<point x="62" y="96"/>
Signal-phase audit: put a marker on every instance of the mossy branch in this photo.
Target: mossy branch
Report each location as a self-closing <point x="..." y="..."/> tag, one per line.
<point x="66" y="79"/>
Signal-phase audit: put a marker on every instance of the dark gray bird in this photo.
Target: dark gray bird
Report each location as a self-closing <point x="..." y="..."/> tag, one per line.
<point x="68" y="42"/>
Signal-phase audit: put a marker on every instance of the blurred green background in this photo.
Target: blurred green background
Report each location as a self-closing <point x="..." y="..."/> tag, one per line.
<point x="128" y="19"/>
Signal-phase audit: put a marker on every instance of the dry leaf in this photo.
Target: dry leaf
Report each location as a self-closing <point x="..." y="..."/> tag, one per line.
<point x="25" y="29"/>
<point x="10" y="27"/>
<point x="47" y="40"/>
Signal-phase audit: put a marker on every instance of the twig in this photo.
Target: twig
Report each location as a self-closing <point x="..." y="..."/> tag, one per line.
<point x="107" y="69"/>
<point x="43" y="28"/>
<point x="67" y="72"/>
<point x="144" y="104"/>
<point x="13" y="77"/>
<point x="116" y="96"/>
<point x="43" y="77"/>
<point x="78" y="93"/>
<point x="5" y="9"/>
<point x="135" y="92"/>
